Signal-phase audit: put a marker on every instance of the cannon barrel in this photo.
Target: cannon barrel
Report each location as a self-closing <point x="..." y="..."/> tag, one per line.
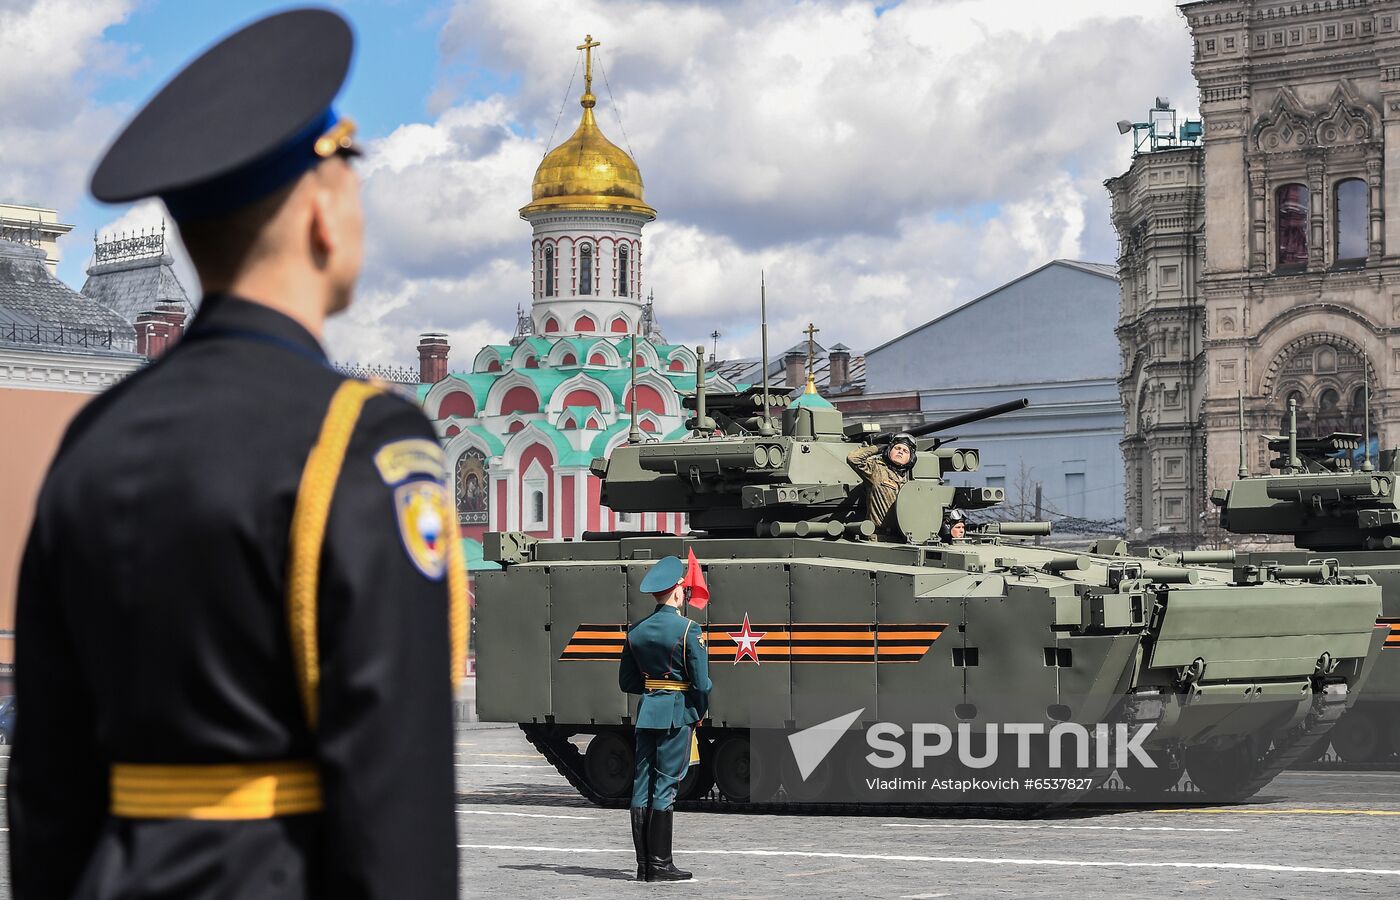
<point x="976" y="415"/>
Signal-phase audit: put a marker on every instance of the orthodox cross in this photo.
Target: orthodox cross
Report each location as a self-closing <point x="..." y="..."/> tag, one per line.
<point x="811" y="331"/>
<point x="587" y="48"/>
<point x="715" y="352"/>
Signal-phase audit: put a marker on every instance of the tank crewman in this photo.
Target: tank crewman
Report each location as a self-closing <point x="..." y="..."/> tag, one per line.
<point x="243" y="596"/>
<point x="664" y="660"/>
<point x="954" y="525"/>
<point x="885" y="470"/>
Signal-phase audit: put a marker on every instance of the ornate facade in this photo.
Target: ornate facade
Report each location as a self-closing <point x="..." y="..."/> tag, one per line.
<point x="1298" y="288"/>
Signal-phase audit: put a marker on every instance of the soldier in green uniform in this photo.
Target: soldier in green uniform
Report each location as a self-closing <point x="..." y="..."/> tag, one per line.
<point x="884" y="470"/>
<point x="242" y="605"/>
<point x="664" y="660"/>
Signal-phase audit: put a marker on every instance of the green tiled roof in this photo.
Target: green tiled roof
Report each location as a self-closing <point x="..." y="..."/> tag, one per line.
<point x="492" y="442"/>
<point x="478" y="385"/>
<point x="811" y="401"/>
<point x="476" y="557"/>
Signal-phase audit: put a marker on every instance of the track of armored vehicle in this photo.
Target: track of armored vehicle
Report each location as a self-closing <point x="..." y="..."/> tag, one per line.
<point x="813" y="617"/>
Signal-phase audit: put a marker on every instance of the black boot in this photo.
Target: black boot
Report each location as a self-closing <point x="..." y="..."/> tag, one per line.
<point x="660" y="866"/>
<point x="639" y="840"/>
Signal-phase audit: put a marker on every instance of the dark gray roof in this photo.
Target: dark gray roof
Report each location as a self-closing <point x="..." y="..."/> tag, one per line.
<point x="749" y="370"/>
<point x="35" y="307"/>
<point x="1103" y="270"/>
<point x="134" y="286"/>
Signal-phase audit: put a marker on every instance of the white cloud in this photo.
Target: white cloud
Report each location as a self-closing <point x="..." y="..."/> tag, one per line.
<point x="879" y="168"/>
<point x="51" y="54"/>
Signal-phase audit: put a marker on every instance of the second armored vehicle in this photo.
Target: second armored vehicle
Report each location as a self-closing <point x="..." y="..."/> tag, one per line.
<point x="1342" y="514"/>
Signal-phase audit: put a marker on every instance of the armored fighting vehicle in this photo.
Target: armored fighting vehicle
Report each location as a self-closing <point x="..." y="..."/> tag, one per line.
<point x="819" y="628"/>
<point x="1342" y="511"/>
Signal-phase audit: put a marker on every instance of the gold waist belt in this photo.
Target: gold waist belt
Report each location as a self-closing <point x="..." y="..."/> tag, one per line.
<point x="665" y="684"/>
<point x="260" y="790"/>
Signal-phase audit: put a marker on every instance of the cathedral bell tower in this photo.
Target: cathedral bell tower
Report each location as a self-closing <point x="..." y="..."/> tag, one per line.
<point x="587" y="214"/>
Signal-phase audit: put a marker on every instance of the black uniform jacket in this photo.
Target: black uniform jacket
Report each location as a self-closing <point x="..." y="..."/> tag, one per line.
<point x="153" y="628"/>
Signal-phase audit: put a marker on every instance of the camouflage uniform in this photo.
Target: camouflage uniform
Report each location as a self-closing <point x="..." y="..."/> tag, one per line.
<point x="883" y="481"/>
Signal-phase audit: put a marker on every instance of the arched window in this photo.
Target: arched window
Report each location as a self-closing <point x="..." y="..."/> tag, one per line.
<point x="1292" y="225"/>
<point x="551" y="325"/>
<point x="537" y="508"/>
<point x="619" y="326"/>
<point x="585" y="323"/>
<point x="623" y="270"/>
<point x="1329" y="413"/>
<point x="585" y="269"/>
<point x="1356" y="414"/>
<point x="1351" y="220"/>
<point x="493" y="366"/>
<point x="568" y="359"/>
<point x="549" y="271"/>
<point x="532" y="362"/>
<point x="677" y="365"/>
<point x="597" y="359"/>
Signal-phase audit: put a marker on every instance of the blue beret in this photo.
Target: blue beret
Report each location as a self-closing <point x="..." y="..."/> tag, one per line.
<point x="666" y="574"/>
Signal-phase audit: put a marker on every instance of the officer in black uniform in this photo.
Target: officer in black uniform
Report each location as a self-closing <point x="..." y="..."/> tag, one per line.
<point x="663" y="660"/>
<point x="242" y="604"/>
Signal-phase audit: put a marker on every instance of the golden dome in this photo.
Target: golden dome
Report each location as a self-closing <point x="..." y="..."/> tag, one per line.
<point x="587" y="171"/>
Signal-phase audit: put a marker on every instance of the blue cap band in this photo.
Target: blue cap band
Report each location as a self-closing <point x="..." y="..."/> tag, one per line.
<point x="246" y="184"/>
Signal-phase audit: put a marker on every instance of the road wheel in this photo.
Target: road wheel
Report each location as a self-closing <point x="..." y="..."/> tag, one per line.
<point x="741" y="776"/>
<point x="1222" y="773"/>
<point x="1359" y="737"/>
<point x="608" y="763"/>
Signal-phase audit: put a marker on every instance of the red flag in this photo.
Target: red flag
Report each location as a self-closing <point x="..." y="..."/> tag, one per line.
<point x="694" y="582"/>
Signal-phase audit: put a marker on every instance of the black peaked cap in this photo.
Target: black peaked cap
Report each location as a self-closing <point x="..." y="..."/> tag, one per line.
<point x="242" y="99"/>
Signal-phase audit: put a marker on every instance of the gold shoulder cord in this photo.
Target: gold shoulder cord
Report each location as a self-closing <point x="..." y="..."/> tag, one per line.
<point x="312" y="511"/>
<point x="309" y="519"/>
<point x="457" y="620"/>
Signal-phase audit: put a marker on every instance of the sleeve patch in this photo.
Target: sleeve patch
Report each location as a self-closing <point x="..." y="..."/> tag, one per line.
<point x="401" y="460"/>
<point x="421" y="509"/>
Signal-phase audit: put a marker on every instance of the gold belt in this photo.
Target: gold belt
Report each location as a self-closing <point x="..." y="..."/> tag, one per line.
<point x="665" y="684"/>
<point x="261" y="790"/>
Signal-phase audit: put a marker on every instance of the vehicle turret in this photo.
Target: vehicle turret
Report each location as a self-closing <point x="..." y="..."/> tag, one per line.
<point x="1318" y="497"/>
<point x="737" y="475"/>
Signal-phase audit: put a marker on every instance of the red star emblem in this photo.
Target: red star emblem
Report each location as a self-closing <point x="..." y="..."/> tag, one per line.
<point x="747" y="639"/>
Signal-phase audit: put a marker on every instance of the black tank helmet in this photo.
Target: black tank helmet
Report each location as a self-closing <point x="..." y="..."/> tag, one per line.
<point x="907" y="440"/>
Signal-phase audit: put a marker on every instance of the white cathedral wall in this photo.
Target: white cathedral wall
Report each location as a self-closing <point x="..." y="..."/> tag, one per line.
<point x="566" y="231"/>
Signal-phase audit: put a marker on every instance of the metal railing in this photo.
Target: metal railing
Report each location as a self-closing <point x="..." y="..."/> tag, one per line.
<point x="393" y="374"/>
<point x="58" y="335"/>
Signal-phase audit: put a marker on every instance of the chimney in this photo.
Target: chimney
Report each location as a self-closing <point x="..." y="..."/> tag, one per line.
<point x="840" y="372"/>
<point x="158" y="329"/>
<point x="432" y="357"/>
<point x="796" y="362"/>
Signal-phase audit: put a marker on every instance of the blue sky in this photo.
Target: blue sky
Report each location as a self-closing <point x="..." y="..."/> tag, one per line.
<point x="393" y="75"/>
<point x="882" y="162"/>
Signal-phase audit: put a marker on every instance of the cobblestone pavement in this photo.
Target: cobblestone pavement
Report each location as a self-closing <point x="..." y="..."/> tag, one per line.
<point x="524" y="832"/>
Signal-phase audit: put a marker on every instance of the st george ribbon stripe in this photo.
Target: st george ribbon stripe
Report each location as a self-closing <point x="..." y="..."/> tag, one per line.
<point x="795" y="642"/>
